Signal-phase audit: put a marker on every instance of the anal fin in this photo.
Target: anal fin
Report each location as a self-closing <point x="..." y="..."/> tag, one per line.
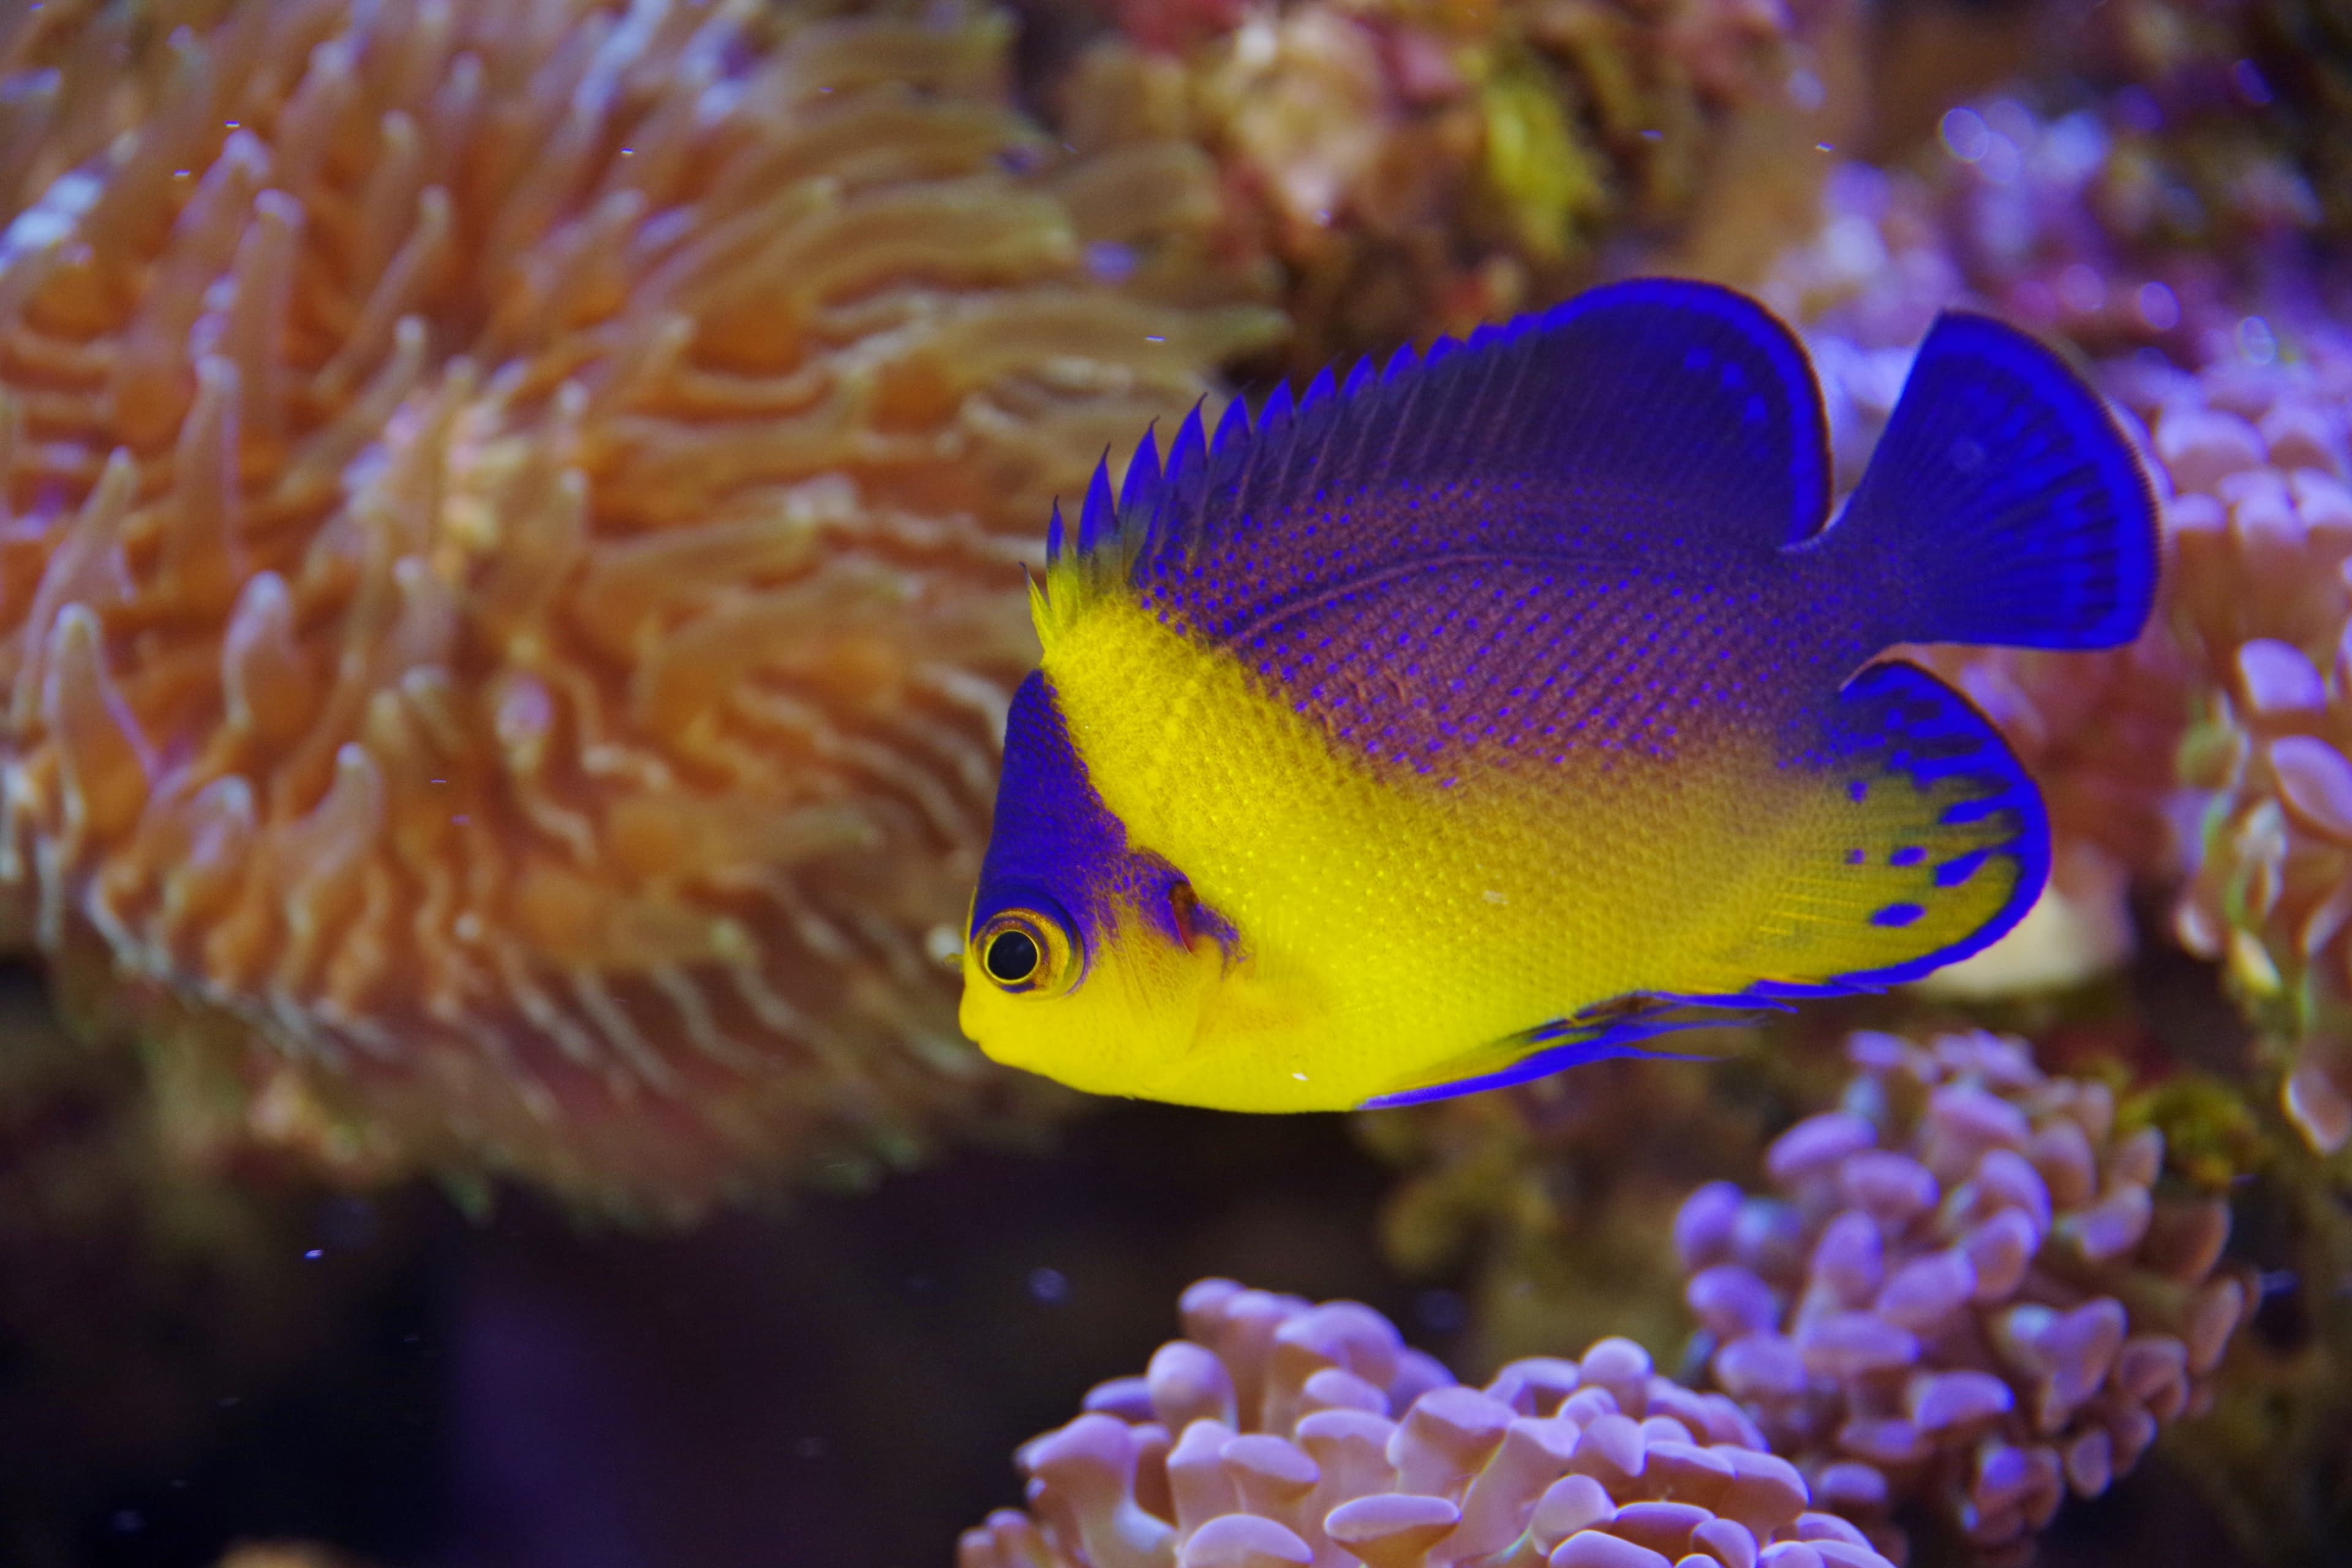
<point x="1924" y="841"/>
<point x="1613" y="1029"/>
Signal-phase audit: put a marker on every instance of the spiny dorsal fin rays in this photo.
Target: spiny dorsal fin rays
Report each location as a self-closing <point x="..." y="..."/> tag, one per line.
<point x="1161" y="519"/>
<point x="1098" y="520"/>
<point x="1184" y="490"/>
<point x="1158" y="509"/>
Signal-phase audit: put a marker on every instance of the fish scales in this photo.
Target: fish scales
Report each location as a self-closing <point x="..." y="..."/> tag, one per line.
<point x="1507" y="708"/>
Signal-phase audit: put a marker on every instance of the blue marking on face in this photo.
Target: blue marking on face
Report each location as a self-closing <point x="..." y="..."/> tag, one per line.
<point x="1056" y="848"/>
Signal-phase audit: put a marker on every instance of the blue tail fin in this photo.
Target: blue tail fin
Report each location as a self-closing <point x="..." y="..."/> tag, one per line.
<point x="2002" y="505"/>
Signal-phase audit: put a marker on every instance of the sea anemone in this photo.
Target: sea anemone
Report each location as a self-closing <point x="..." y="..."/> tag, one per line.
<point x="1969" y="1294"/>
<point x="1283" y="1434"/>
<point x="512" y="569"/>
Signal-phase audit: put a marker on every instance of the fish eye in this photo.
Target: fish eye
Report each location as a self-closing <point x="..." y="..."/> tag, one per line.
<point x="1012" y="957"/>
<point x="1023" y="952"/>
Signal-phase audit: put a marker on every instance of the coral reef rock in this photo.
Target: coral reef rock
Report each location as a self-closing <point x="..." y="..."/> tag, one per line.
<point x="511" y="575"/>
<point x="1967" y="1294"/>
<point x="1419" y="169"/>
<point x="1546" y="1200"/>
<point x="1283" y="1434"/>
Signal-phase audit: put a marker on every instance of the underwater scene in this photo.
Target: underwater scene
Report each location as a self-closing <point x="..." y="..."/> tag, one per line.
<point x="1175" y="784"/>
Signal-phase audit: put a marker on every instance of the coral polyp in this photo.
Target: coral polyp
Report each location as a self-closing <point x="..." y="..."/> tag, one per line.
<point x="511" y="575"/>
<point x="1965" y="1294"/>
<point x="2261" y="524"/>
<point x="1280" y="1434"/>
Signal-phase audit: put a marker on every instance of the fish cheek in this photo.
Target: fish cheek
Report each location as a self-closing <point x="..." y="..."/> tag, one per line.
<point x="1255" y="1006"/>
<point x="1136" y="1009"/>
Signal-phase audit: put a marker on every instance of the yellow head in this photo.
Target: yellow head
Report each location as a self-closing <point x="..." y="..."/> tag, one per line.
<point x="1084" y="959"/>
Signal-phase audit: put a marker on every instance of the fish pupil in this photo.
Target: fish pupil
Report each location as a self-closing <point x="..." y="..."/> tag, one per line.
<point x="1011" y="957"/>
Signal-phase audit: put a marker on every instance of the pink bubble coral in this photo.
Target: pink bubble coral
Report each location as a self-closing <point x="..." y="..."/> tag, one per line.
<point x="2259" y="456"/>
<point x="1968" y="1292"/>
<point x="1283" y="1434"/>
<point x="510" y="572"/>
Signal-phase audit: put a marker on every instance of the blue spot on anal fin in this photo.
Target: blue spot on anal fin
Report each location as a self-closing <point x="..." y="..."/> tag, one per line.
<point x="1960" y="868"/>
<point x="1947" y="799"/>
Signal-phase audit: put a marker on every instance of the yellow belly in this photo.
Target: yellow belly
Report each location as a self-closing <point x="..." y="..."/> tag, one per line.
<point x="1393" y="922"/>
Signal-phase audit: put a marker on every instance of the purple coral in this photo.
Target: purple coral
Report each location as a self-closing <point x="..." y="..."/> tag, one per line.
<point x="1285" y="1435"/>
<point x="2259" y="460"/>
<point x="1965" y="1291"/>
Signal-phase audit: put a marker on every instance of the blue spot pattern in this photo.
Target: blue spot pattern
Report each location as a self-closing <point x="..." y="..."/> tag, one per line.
<point x="1896" y="719"/>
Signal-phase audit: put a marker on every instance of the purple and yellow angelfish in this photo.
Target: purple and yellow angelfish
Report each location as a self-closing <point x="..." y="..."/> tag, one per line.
<point x="1506" y="706"/>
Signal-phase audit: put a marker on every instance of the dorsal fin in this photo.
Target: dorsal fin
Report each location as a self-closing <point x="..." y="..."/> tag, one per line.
<point x="1657" y="418"/>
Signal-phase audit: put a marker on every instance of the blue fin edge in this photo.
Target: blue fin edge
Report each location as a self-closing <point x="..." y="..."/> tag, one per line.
<point x="1144" y="513"/>
<point x="1581" y="1045"/>
<point x="1991" y="761"/>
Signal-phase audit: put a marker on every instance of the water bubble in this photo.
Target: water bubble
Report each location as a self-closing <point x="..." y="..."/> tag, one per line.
<point x="1441" y="1311"/>
<point x="2256" y="341"/>
<point x="1110" y="261"/>
<point x="1966" y="136"/>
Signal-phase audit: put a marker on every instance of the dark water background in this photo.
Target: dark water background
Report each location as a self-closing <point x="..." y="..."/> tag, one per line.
<point x="838" y="1386"/>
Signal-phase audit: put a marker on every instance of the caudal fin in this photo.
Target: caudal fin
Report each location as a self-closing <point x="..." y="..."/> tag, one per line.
<point x="2004" y="505"/>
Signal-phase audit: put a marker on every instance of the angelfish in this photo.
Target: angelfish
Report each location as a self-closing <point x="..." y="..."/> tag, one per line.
<point x="1501" y="708"/>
